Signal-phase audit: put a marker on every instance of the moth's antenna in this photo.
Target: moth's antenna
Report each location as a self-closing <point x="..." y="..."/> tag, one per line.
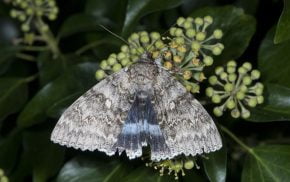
<point x="119" y="37"/>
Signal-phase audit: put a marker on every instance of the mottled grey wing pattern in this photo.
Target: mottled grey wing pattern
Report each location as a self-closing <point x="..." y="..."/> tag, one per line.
<point x="187" y="127"/>
<point x="95" y="119"/>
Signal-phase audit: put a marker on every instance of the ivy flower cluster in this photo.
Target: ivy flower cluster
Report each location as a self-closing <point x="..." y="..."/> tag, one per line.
<point x="27" y="11"/>
<point x="190" y="50"/>
<point x="138" y="44"/>
<point x="184" y="53"/>
<point x="174" y="166"/>
<point x="236" y="88"/>
<point x="3" y="178"/>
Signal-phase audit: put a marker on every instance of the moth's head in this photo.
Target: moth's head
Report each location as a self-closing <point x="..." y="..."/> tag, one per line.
<point x="146" y="57"/>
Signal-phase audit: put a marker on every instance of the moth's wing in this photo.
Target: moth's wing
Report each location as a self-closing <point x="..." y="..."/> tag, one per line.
<point x="95" y="119"/>
<point x="187" y="127"/>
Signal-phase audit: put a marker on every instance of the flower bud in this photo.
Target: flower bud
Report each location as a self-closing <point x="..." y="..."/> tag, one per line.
<point x="247" y="66"/>
<point x="200" y="36"/>
<point x="228" y="87"/>
<point x="100" y="74"/>
<point x="187" y="74"/>
<point x="104" y="65"/>
<point x="213" y="80"/>
<point x="216" y="99"/>
<point x="168" y="65"/>
<point x="209" y="91"/>
<point x="255" y="74"/>
<point x="117" y="67"/>
<point x="252" y="102"/>
<point x="189" y="164"/>
<point x="190" y="33"/>
<point x="218" y="34"/>
<point x="235" y="113"/>
<point x="198" y="21"/>
<point x="218" y="111"/>
<point x="180" y="21"/>
<point x="208" y="19"/>
<point x="231" y="104"/>
<point x="208" y="60"/>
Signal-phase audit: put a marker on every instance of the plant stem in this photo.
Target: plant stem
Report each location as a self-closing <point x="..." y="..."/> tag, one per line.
<point x="25" y="57"/>
<point x="34" y="48"/>
<point x="89" y="46"/>
<point x="236" y="139"/>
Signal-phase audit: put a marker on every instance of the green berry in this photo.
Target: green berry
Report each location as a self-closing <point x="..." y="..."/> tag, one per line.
<point x="258" y="91"/>
<point x="125" y="48"/>
<point x="252" y="102"/>
<point x="260" y="85"/>
<point x="125" y="61"/>
<point x="223" y="75"/>
<point x="231" y="69"/>
<point x="190" y="33"/>
<point x="219" y="70"/>
<point x="208" y="60"/>
<point x="195" y="46"/>
<point x="1" y="173"/>
<point x="4" y="179"/>
<point x="232" y="77"/>
<point x="159" y="44"/>
<point x="216" y="50"/>
<point x="243" y="88"/>
<point x="117" y="67"/>
<point x="100" y="74"/>
<point x="121" y="56"/>
<point x="13" y="13"/>
<point x="44" y="28"/>
<point x="208" y="19"/>
<point x="180" y="21"/>
<point x="22" y="17"/>
<point x="247" y="66"/>
<point x="111" y="61"/>
<point x="213" y="80"/>
<point x="235" y="113"/>
<point x="155" y="35"/>
<point x="200" y="36"/>
<point x="245" y="114"/>
<point x="216" y="99"/>
<point x="189" y="164"/>
<point x="187" y="25"/>
<point x="178" y="32"/>
<point x="25" y="27"/>
<point x="144" y="39"/>
<point x="209" y="91"/>
<point x="187" y="74"/>
<point x="172" y="31"/>
<point x="242" y="70"/>
<point x="240" y="95"/>
<point x="255" y="74"/>
<point x="134" y="37"/>
<point x="104" y="65"/>
<point x="218" y="34"/>
<point x="228" y="87"/>
<point x="231" y="104"/>
<point x="247" y="80"/>
<point x="260" y="99"/>
<point x="179" y="40"/>
<point x="218" y="111"/>
<point x="198" y="21"/>
<point x="232" y="63"/>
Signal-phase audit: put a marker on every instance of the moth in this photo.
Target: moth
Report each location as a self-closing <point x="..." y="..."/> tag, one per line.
<point x="142" y="105"/>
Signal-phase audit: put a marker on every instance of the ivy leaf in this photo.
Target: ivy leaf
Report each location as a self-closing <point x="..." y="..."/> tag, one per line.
<point x="79" y="78"/>
<point x="137" y="9"/>
<point x="283" y="27"/>
<point x="7" y="54"/>
<point x="85" y="22"/>
<point x="13" y="95"/>
<point x="59" y="107"/>
<point x="276" y="106"/>
<point x="216" y="165"/>
<point x="273" y="60"/>
<point x="238" y="29"/>
<point x="91" y="169"/>
<point x="9" y="151"/>
<point x="267" y="163"/>
<point x="46" y="158"/>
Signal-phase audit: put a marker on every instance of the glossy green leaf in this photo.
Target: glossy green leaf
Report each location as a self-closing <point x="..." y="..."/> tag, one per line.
<point x="46" y="158"/>
<point x="273" y="60"/>
<point x="79" y="78"/>
<point x="7" y="54"/>
<point x="136" y="9"/>
<point x="267" y="163"/>
<point x="109" y="13"/>
<point x="92" y="169"/>
<point x="58" y="107"/>
<point x="9" y="148"/>
<point x="283" y="27"/>
<point x="276" y="106"/>
<point x="13" y="95"/>
<point x="216" y="165"/>
<point x="78" y="23"/>
<point x="238" y="29"/>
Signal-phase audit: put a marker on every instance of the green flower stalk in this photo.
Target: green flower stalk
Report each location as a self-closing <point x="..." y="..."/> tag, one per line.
<point x="236" y="88"/>
<point x="3" y="178"/>
<point x="27" y="11"/>
<point x="174" y="166"/>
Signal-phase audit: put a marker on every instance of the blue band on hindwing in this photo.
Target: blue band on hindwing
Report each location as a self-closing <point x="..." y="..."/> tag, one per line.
<point x="141" y="127"/>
